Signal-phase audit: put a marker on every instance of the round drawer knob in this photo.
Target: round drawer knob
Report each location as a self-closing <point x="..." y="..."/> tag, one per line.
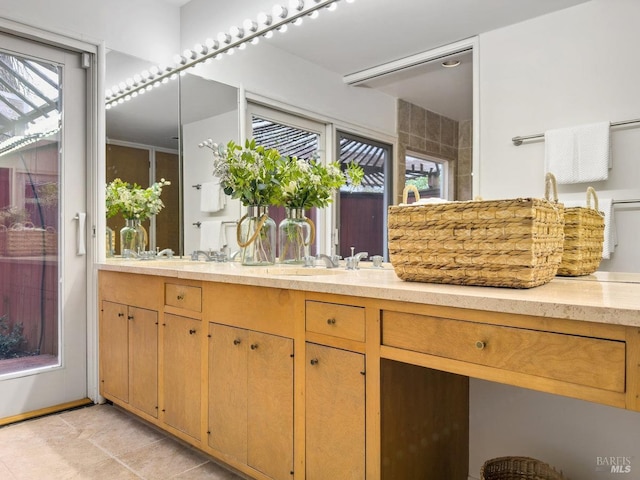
<point x="314" y="361"/>
<point x="480" y="345"/>
<point x="331" y="321"/>
<point x="236" y="341"/>
<point x="254" y="346"/>
<point x="180" y="297"/>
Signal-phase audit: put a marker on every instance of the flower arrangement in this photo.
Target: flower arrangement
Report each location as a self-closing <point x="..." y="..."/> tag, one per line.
<point x="133" y="201"/>
<point x="251" y="174"/>
<point x="309" y="183"/>
<point x="260" y="176"/>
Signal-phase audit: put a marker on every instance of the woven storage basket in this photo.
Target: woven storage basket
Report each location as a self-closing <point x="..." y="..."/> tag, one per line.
<point x="518" y="468"/>
<point x="24" y="240"/>
<point x="583" y="238"/>
<point x="503" y="243"/>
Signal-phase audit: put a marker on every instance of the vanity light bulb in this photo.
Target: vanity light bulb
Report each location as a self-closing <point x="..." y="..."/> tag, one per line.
<point x="127" y="98"/>
<point x="120" y="101"/>
<point x="129" y="82"/>
<point x="122" y="86"/>
<point x="107" y="106"/>
<point x="242" y="46"/>
<point x="108" y="93"/>
<point x="269" y="34"/>
<point x="249" y="25"/>
<point x="134" y="94"/>
<point x="165" y="80"/>
<point x="350" y="1"/>
<point x="236" y="32"/>
<point x="211" y="43"/>
<point x="145" y="74"/>
<point x="296" y="5"/>
<point x="283" y="28"/>
<point x="149" y="88"/>
<point x="137" y="78"/>
<point x="279" y="11"/>
<point x="179" y="59"/>
<point x="153" y="71"/>
<point x="332" y="7"/>
<point x="264" y="19"/>
<point x="255" y="41"/>
<point x="224" y="37"/>
<point x="314" y="14"/>
<point x="199" y="49"/>
<point x="297" y="21"/>
<point x="230" y="51"/>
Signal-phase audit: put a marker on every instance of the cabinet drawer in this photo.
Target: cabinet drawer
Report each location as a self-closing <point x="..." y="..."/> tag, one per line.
<point x="593" y="362"/>
<point x="336" y="320"/>
<point x="183" y="296"/>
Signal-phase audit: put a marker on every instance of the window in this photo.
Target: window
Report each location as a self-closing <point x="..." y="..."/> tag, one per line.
<point x="362" y="213"/>
<point x="428" y="174"/>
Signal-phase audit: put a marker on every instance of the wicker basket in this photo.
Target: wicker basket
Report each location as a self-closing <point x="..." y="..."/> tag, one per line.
<point x="24" y="240"/>
<point x="518" y="468"/>
<point x="503" y="243"/>
<point x="583" y="238"/>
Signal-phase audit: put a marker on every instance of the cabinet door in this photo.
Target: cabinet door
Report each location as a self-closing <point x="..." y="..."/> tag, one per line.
<point x="228" y="390"/>
<point x="181" y="373"/>
<point x="270" y="405"/>
<point x="114" y="351"/>
<point x="335" y="414"/>
<point x="143" y="360"/>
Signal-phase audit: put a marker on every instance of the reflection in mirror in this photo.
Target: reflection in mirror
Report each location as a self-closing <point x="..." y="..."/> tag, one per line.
<point x="156" y="135"/>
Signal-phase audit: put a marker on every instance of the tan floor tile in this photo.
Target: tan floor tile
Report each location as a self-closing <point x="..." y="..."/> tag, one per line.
<point x="108" y="470"/>
<point x="208" y="471"/>
<point x="5" y="473"/>
<point x="163" y="459"/>
<point x="44" y="463"/>
<point x="125" y="435"/>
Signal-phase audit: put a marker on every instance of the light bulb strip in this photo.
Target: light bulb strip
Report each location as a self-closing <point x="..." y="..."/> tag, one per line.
<point x="130" y="91"/>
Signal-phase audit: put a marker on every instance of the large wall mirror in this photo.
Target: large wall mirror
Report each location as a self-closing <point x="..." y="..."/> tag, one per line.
<point x="156" y="135"/>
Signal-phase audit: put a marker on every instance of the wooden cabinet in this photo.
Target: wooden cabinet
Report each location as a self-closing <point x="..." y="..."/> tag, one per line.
<point x="336" y="320"/>
<point x="182" y="373"/>
<point x="335" y="413"/>
<point x="129" y="356"/>
<point x="251" y="399"/>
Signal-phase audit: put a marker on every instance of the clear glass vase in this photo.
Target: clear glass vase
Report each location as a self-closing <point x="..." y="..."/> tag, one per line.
<point x="133" y="238"/>
<point x="257" y="237"/>
<point x="296" y="233"/>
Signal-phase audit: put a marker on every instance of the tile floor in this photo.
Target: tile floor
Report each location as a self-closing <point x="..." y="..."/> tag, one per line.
<point x="95" y="443"/>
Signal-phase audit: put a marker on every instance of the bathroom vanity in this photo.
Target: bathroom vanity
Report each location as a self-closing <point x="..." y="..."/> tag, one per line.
<point x="293" y="373"/>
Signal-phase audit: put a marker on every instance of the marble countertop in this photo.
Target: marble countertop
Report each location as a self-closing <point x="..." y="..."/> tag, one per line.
<point x="602" y="297"/>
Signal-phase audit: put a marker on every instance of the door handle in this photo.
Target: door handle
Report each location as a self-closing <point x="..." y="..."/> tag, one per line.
<point x="81" y="248"/>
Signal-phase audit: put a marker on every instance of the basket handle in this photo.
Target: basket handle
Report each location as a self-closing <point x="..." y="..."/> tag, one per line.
<point x="407" y="189"/>
<point x="550" y="184"/>
<point x="591" y="193"/>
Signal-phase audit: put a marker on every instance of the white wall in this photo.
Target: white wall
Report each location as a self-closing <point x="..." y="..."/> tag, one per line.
<point x="571" y="67"/>
<point x="198" y="169"/>
<point x="568" y="68"/>
<point x="278" y="75"/>
<point x="144" y="28"/>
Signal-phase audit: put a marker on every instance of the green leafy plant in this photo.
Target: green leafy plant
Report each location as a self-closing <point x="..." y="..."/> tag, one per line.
<point x="309" y="183"/>
<point x="133" y="201"/>
<point x="251" y="173"/>
<point x="11" y="339"/>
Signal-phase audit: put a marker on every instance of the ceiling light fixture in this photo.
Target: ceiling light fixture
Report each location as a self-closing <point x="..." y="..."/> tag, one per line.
<point x="237" y="38"/>
<point x="450" y="63"/>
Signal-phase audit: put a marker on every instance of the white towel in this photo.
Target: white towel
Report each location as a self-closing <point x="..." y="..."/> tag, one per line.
<point x="210" y="233"/>
<point x="212" y="197"/>
<point x="578" y="154"/>
<point x="605" y="205"/>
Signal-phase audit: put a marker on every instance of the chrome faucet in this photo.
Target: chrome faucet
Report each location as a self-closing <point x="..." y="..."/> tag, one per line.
<point x="207" y="255"/>
<point x="167" y="252"/>
<point x="353" y="262"/>
<point x="332" y="261"/>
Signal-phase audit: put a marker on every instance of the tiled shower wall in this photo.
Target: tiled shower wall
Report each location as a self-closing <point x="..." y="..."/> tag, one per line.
<point x="429" y="133"/>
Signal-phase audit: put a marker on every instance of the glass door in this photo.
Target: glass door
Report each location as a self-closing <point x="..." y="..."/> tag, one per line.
<point x="43" y="197"/>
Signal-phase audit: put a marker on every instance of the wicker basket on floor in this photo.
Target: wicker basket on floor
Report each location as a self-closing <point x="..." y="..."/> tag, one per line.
<point x="503" y="243"/>
<point x="518" y="468"/>
<point x="583" y="238"/>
